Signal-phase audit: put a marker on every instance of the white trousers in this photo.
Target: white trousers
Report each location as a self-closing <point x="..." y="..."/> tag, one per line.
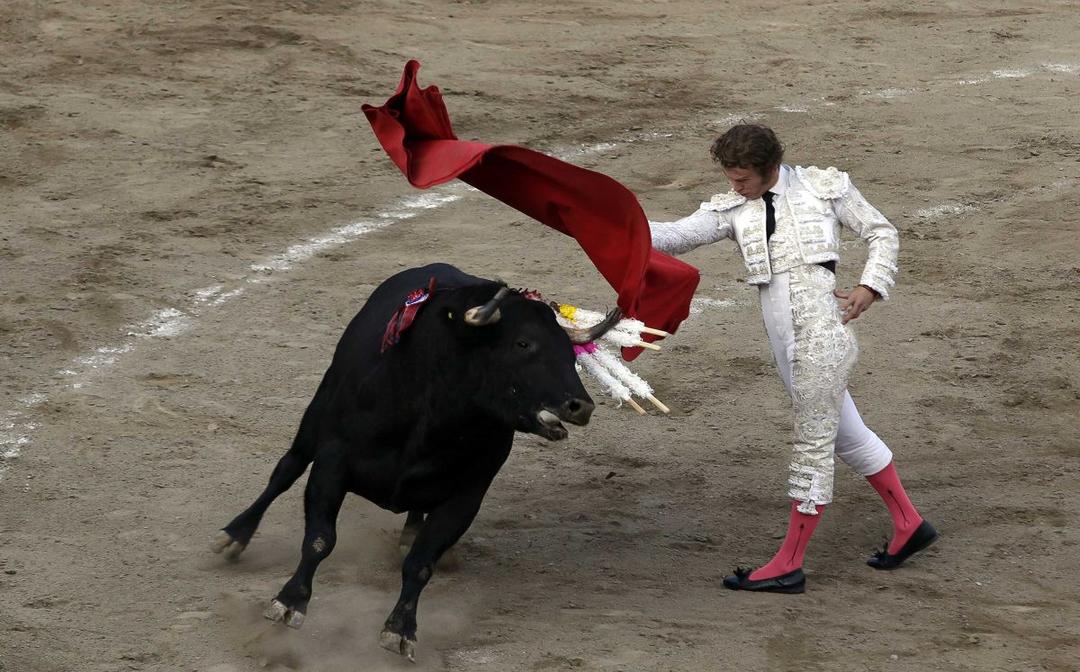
<point x="815" y="353"/>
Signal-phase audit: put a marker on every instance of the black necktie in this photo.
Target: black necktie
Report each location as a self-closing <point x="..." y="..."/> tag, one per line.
<point x="770" y="214"/>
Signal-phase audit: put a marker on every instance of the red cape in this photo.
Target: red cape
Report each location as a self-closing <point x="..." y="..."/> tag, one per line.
<point x="601" y="214"/>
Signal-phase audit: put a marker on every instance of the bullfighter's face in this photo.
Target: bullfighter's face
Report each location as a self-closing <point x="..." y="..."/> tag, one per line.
<point x="749" y="183"/>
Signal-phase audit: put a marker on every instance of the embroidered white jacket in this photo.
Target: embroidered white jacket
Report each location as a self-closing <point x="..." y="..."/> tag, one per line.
<point x="818" y="200"/>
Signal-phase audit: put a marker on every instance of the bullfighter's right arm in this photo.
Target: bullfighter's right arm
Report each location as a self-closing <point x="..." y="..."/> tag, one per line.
<point x="705" y="226"/>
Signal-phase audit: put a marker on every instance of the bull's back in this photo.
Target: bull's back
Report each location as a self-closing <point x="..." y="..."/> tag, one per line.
<point x="358" y="350"/>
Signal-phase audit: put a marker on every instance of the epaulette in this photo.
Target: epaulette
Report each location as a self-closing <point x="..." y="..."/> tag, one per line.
<point x="827" y="183"/>
<point x="721" y="202"/>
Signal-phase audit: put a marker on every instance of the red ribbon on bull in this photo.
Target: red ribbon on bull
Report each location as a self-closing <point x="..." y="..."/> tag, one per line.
<point x="403" y="317"/>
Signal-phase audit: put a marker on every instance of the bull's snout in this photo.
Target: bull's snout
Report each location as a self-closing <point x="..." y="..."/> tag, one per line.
<point x="574" y="411"/>
<point x="577" y="411"/>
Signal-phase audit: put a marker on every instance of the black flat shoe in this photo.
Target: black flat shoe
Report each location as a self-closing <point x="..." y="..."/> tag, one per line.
<point x="792" y="582"/>
<point x="923" y="537"/>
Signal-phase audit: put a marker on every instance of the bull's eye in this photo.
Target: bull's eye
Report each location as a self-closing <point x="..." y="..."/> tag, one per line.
<point x="523" y="344"/>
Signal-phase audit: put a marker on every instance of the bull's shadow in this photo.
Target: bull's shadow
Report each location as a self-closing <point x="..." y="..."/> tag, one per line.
<point x="417" y="414"/>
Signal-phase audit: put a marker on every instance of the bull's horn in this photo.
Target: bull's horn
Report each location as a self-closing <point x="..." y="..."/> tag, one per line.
<point x="488" y="313"/>
<point x="583" y="336"/>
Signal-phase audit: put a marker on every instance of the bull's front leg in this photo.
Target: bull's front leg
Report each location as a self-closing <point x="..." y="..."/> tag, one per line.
<point x="441" y="530"/>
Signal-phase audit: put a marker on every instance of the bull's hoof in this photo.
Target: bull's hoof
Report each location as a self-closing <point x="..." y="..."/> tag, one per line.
<point x="277" y="611"/>
<point x="225" y="544"/>
<point x="392" y="641"/>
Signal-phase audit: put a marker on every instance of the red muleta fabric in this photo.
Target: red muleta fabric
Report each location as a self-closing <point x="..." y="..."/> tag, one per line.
<point x="601" y="214"/>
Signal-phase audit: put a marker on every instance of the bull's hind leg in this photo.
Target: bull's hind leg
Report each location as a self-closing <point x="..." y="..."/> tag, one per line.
<point x="443" y="527"/>
<point x="322" y="502"/>
<point x="413" y="522"/>
<point x="234" y="537"/>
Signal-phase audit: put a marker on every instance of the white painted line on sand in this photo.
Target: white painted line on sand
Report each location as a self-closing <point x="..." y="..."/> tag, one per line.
<point x="1017" y="73"/>
<point x="227" y="296"/>
<point x="1068" y="68"/>
<point x="164" y="324"/>
<point x="585" y="150"/>
<point x="14" y="435"/>
<point x="699" y="304"/>
<point x="738" y="118"/>
<point x="889" y="93"/>
<point x="33" y="399"/>
<point x="943" y="210"/>
<point x="897" y="92"/>
<point x="301" y="252"/>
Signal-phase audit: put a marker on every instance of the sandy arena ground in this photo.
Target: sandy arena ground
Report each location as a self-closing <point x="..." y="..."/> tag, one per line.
<point x="193" y="207"/>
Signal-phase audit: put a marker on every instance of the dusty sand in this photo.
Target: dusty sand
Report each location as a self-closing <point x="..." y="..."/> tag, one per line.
<point x="153" y="153"/>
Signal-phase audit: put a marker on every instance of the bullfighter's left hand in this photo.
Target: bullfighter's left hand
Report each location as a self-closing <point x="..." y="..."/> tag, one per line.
<point x="854" y="302"/>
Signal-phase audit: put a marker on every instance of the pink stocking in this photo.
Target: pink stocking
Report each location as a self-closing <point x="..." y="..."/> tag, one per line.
<point x="905" y="516"/>
<point x="790" y="556"/>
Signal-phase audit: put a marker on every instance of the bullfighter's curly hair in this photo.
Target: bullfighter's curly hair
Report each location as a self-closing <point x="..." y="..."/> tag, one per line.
<point x="748" y="146"/>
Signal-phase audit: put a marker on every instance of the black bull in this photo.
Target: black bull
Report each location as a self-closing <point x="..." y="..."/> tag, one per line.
<point x="422" y="427"/>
